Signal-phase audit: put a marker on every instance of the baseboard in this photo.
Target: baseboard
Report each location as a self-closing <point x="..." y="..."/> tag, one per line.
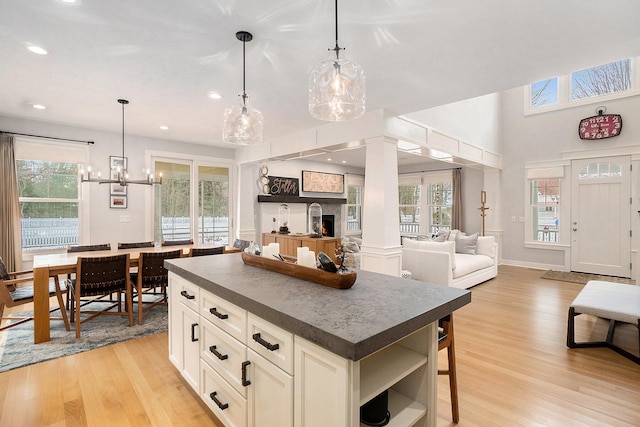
<point x="533" y="265"/>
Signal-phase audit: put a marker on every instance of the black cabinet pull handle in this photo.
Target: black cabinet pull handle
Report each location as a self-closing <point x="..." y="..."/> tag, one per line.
<point x="186" y="295"/>
<point x="266" y="344"/>
<point x="218" y="314"/>
<point x="245" y="382"/>
<point x="221" y="405"/>
<point x="193" y="332"/>
<point x="212" y="349"/>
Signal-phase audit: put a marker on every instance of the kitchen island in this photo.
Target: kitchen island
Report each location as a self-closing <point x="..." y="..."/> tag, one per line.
<point x="246" y="338"/>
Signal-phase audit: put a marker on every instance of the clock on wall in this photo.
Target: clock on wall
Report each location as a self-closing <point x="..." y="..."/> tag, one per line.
<point x="601" y="126"/>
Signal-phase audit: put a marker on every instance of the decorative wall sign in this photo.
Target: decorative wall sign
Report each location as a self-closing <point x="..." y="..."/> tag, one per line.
<point x="601" y="126"/>
<point x="321" y="182"/>
<point x="283" y="186"/>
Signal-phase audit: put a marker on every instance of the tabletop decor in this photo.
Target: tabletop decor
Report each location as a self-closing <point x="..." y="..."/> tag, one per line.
<point x="288" y="267"/>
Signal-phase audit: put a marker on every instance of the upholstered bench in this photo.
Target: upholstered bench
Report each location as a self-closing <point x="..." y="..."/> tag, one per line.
<point x="615" y="302"/>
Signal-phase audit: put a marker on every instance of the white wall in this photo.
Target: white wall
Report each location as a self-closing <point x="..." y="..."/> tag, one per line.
<point x="549" y="136"/>
<point x="105" y="224"/>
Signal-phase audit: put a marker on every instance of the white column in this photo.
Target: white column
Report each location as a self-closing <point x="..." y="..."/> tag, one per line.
<point x="381" y="251"/>
<point x="247" y="202"/>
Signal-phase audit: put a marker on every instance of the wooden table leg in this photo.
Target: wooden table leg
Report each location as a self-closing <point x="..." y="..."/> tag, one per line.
<point x="41" y="326"/>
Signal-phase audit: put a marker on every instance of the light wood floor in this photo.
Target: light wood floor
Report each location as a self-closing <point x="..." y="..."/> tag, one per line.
<point x="513" y="370"/>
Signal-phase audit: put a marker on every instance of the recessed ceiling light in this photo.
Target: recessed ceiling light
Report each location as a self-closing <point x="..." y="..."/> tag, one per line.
<point x="70" y="1"/>
<point x="344" y="161"/>
<point x="163" y="127"/>
<point x="214" y="95"/>
<point x="37" y="49"/>
<point x="329" y="159"/>
<point x="39" y="107"/>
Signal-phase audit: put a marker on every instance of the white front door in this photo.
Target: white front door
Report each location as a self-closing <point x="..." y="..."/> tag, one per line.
<point x="601" y="216"/>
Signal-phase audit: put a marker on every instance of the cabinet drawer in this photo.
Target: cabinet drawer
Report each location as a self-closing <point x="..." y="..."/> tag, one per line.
<point x="225" y="315"/>
<point x="271" y="342"/>
<point x="186" y="292"/>
<point x="225" y="354"/>
<point x="226" y="403"/>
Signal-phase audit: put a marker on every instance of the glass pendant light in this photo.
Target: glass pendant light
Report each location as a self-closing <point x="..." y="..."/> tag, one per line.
<point x="242" y="123"/>
<point x="337" y="87"/>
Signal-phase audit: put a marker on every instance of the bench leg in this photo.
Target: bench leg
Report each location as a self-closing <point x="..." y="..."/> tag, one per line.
<point x="571" y="338"/>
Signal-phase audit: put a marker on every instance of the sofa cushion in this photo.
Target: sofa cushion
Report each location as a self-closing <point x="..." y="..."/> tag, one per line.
<point x="485" y="246"/>
<point x="466" y="264"/>
<point x="434" y="246"/>
<point x="453" y="233"/>
<point x="466" y="244"/>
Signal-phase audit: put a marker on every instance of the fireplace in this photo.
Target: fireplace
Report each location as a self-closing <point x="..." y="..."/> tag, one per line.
<point x="328" y="222"/>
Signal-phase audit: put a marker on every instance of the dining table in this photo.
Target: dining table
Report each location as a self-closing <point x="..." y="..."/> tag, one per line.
<point x="46" y="266"/>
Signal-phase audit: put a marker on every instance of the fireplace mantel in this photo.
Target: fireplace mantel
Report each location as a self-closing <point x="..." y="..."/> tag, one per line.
<point x="307" y="200"/>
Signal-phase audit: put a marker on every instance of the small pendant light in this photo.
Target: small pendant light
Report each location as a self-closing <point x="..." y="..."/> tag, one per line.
<point x="242" y="124"/>
<point x="337" y="87"/>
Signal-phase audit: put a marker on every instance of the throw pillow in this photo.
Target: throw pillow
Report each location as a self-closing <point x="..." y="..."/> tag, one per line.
<point x="485" y="246"/>
<point x="466" y="244"/>
<point x="452" y="234"/>
<point x="440" y="238"/>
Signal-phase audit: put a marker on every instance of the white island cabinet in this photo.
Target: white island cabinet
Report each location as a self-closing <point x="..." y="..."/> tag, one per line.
<point x="277" y="351"/>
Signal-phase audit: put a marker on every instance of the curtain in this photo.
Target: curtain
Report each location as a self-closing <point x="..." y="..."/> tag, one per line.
<point x="456" y="208"/>
<point x="10" y="229"/>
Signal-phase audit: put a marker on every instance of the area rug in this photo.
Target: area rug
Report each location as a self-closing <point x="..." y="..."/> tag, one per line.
<point x="570" y="276"/>
<point x="17" y="348"/>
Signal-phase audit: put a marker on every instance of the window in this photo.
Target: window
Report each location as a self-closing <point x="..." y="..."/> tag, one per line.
<point x="603" y="80"/>
<point x="440" y="203"/>
<point x="409" y="200"/>
<point x="609" y="81"/>
<point x="438" y="188"/>
<point x="354" y="208"/>
<point x="545" y="209"/>
<point x="48" y="194"/>
<point x="175" y="217"/>
<point x="355" y="193"/>
<point x="544" y="93"/>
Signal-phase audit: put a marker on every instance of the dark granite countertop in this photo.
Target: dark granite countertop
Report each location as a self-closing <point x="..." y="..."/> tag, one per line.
<point x="353" y="323"/>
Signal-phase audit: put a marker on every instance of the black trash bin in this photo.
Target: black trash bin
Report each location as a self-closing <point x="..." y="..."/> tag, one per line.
<point x="376" y="411"/>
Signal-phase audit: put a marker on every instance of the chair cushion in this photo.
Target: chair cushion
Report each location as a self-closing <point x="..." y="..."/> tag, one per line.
<point x="25" y="293"/>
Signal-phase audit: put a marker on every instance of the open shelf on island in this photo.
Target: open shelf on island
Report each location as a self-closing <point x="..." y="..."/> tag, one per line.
<point x="404" y="411"/>
<point x="383" y="369"/>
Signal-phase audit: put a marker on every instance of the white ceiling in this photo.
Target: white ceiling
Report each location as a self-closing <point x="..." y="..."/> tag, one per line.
<point x="165" y="56"/>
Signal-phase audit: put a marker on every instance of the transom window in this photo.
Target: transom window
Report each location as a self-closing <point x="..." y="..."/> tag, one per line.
<point x="612" y="80"/>
<point x="599" y="170"/>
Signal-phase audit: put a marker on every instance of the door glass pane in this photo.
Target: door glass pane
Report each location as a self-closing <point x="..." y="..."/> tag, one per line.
<point x="172" y="202"/>
<point x="213" y="205"/>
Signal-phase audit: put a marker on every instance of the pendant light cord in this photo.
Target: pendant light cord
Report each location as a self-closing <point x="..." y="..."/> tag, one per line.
<point x="337" y="49"/>
<point x="244" y="73"/>
<point x="123" y="135"/>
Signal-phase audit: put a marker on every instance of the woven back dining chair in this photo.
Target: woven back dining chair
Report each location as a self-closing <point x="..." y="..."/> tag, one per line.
<point x="206" y="251"/>
<point x="15" y="291"/>
<point x="97" y="277"/>
<point x="135" y="245"/>
<point x="151" y="280"/>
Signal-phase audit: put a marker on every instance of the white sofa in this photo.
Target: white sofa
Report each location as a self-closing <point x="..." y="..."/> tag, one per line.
<point x="439" y="262"/>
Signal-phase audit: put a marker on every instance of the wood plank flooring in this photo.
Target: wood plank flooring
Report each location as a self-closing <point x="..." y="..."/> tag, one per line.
<point x="514" y="369"/>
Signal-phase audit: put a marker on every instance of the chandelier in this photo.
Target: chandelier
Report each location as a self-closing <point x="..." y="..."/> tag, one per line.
<point x="337" y="87"/>
<point x="119" y="174"/>
<point x="242" y="123"/>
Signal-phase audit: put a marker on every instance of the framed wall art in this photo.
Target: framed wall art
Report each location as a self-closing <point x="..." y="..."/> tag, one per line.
<point x="118" y="202"/>
<point x="321" y="182"/>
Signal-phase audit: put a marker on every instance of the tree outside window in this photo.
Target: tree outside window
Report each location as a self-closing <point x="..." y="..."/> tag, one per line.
<point x="354" y="208"/>
<point x="603" y="80"/>
<point x="49" y="199"/>
<point x="409" y="201"/>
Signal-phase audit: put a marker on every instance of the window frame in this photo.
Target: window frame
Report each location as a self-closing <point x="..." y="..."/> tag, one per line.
<point x="551" y="170"/>
<point x="356" y="181"/>
<point x="195" y="162"/>
<point x="56" y="151"/>
<point x="425" y="180"/>
<point x="564" y="91"/>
